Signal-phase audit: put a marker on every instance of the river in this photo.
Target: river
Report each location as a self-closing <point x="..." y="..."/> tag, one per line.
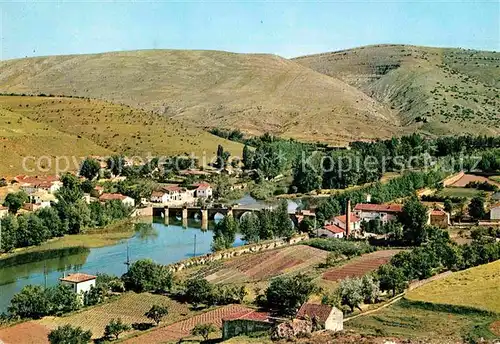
<point x="163" y="244"/>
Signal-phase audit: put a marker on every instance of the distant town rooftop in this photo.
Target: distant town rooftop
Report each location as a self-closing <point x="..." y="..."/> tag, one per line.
<point x="386" y="208"/>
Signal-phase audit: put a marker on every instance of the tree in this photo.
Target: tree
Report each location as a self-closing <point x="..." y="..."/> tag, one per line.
<point x="286" y="294"/>
<point x="146" y="275"/>
<point x="203" y="330"/>
<point x="351" y="292"/>
<point x="370" y="289"/>
<point x="14" y="201"/>
<point x="391" y="278"/>
<point x="199" y="291"/>
<point x="61" y="299"/>
<point x="115" y="164"/>
<point x="247" y="158"/>
<point x="476" y="208"/>
<point x="115" y="328"/>
<point x="30" y="302"/>
<point x="249" y="228"/>
<point x="284" y="227"/>
<point x="90" y="168"/>
<point x="222" y="157"/>
<point x="157" y="313"/>
<point x="9" y="231"/>
<point x="414" y="219"/>
<point x="68" y="334"/>
<point x="225" y="233"/>
<point x="448" y="205"/>
<point x="307" y="175"/>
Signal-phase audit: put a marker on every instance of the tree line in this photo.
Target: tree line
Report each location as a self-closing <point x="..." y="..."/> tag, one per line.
<point x="69" y="215"/>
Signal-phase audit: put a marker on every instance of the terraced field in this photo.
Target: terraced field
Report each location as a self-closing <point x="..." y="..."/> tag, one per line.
<point x="265" y="265"/>
<point x="130" y="308"/>
<point x="181" y="329"/>
<point x="360" y="266"/>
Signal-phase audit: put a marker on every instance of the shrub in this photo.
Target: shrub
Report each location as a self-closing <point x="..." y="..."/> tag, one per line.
<point x="69" y="335"/>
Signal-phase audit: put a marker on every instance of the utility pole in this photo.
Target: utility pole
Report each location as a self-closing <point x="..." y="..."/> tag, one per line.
<point x="194" y="246"/>
<point x="127" y="263"/>
<point x="45" y="275"/>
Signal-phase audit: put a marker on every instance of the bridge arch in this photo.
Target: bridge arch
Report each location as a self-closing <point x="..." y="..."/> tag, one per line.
<point x="218" y="217"/>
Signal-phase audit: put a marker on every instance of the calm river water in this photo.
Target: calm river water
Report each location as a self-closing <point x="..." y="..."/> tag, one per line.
<point x="164" y="244"/>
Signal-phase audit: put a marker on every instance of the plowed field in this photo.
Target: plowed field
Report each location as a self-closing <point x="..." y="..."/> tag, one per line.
<point x="360" y="266"/>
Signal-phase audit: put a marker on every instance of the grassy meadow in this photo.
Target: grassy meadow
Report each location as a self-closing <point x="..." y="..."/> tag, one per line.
<point x="477" y="287"/>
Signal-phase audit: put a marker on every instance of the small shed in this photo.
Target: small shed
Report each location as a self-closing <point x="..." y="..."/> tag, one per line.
<point x="80" y="283"/>
<point x="330" y="318"/>
<point x="246" y="322"/>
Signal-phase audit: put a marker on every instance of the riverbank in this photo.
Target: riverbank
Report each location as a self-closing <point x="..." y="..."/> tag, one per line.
<point x="99" y="237"/>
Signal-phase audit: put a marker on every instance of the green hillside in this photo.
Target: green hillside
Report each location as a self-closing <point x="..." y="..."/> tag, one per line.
<point x="434" y="90"/>
<point x="256" y="93"/>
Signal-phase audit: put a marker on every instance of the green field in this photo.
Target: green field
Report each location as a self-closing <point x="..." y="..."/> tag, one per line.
<point x="477" y="287"/>
<point x="459" y="192"/>
<point x="432" y="324"/>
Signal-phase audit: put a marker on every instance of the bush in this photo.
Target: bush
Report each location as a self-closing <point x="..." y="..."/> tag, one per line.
<point x="286" y="294"/>
<point x="115" y="328"/>
<point x="203" y="330"/>
<point x="146" y="275"/>
<point x="69" y="335"/>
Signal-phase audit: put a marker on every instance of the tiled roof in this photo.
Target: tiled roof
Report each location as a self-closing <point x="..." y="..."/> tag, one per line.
<point x="333" y="229"/>
<point x="173" y="188"/>
<point x="203" y="186"/>
<point x="386" y="208"/>
<point x="249" y="315"/>
<point x="111" y="197"/>
<point x="157" y="194"/>
<point x="78" y="278"/>
<point x="438" y="212"/>
<point x="342" y="218"/>
<point x="311" y="310"/>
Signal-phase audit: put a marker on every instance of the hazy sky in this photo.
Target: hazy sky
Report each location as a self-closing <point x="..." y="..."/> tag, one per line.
<point x="286" y="28"/>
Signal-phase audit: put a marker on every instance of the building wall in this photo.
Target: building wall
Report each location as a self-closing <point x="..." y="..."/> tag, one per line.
<point x="233" y="328"/>
<point x="129" y="201"/>
<point x="495" y="213"/>
<point x="325" y="233"/>
<point x="372" y="215"/>
<point x="335" y="321"/>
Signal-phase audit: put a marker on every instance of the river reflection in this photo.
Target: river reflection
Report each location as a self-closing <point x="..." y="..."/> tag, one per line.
<point x="155" y="240"/>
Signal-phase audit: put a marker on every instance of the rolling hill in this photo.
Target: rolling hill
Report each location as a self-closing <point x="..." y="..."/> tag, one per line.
<point x="434" y="90"/>
<point x="53" y="126"/>
<point x="256" y="93"/>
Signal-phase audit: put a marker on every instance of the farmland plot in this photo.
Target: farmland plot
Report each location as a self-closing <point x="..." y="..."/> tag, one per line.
<point x="360" y="266"/>
<point x="129" y="307"/>
<point x="265" y="265"/>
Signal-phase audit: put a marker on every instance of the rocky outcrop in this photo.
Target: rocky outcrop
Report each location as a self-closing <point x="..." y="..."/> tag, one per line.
<point x="293" y="329"/>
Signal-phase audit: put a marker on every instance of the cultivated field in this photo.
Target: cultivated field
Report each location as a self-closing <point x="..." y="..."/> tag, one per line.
<point x="459" y="192"/>
<point x="360" y="266"/>
<point x="265" y="265"/>
<point x="405" y="319"/>
<point x="182" y="329"/>
<point x="25" y="333"/>
<point x="130" y="307"/>
<point x="467" y="178"/>
<point x="477" y="287"/>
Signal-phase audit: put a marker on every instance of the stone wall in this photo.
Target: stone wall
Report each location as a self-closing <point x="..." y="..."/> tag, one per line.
<point x="235" y="252"/>
<point x="453" y="179"/>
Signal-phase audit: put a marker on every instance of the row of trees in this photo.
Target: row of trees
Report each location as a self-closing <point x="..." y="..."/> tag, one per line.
<point x="263" y="225"/>
<point x="69" y="215"/>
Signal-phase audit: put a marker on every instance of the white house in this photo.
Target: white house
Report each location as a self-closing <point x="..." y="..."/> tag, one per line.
<point x="160" y="197"/>
<point x="383" y="212"/>
<point x="80" y="283"/>
<point x="331" y="231"/>
<point x="204" y="190"/>
<point x="105" y="197"/>
<point x="179" y="194"/>
<point x="32" y="185"/>
<point x="495" y="212"/>
<point x="330" y="318"/>
<point x="341" y="222"/>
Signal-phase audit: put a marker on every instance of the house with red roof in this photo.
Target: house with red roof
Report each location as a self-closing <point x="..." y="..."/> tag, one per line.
<point x="331" y="231"/>
<point x="79" y="282"/>
<point x="30" y="184"/>
<point x="106" y="197"/>
<point x="382" y="212"/>
<point x="341" y="222"/>
<point x="439" y="218"/>
<point x="173" y="195"/>
<point x="328" y="317"/>
<point x="203" y="190"/>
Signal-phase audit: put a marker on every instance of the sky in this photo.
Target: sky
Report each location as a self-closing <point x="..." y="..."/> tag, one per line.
<point x="287" y="28"/>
